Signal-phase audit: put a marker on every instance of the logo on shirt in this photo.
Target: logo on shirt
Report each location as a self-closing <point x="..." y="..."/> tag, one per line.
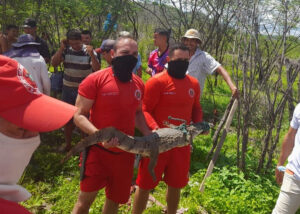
<point x="110" y="93"/>
<point x="170" y="93"/>
<point x="191" y="92"/>
<point x="27" y="80"/>
<point x="138" y="94"/>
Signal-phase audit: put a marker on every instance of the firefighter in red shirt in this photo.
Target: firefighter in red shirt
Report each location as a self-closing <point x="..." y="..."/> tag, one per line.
<point x="112" y="97"/>
<point x="170" y="93"/>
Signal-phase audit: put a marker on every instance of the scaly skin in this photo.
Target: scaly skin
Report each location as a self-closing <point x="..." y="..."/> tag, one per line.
<point x="161" y="140"/>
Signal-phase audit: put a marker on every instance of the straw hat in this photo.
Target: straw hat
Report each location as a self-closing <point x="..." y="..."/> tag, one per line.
<point x="192" y="34"/>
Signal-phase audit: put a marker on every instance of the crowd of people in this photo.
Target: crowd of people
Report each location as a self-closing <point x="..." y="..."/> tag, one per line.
<point x="95" y="98"/>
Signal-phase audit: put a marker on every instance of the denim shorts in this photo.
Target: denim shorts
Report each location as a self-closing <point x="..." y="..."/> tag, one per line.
<point x="69" y="94"/>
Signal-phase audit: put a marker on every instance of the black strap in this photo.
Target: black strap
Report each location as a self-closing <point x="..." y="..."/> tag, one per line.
<point x="84" y="155"/>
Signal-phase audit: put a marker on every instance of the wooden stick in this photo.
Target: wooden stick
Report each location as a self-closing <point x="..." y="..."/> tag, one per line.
<point x="155" y="201"/>
<point x="220" y="126"/>
<point x="220" y="144"/>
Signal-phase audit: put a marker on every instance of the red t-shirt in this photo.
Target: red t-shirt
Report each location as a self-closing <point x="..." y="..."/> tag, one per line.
<point x="166" y="96"/>
<point x="10" y="207"/>
<point x="115" y="102"/>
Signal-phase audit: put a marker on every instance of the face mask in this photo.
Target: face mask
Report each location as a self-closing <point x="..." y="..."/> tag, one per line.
<point x="178" y="68"/>
<point x="123" y="66"/>
<point x="15" y="155"/>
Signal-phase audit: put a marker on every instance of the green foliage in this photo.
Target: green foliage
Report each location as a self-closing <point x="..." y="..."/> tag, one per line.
<point x="228" y="191"/>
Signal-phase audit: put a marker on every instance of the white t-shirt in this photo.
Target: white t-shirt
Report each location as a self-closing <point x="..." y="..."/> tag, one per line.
<point x="294" y="158"/>
<point x="202" y="64"/>
<point x="37" y="67"/>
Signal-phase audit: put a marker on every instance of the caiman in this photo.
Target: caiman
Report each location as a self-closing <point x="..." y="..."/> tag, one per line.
<point x="161" y="140"/>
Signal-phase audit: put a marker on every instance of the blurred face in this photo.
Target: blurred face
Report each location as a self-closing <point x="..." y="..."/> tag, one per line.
<point x="76" y="45"/>
<point x="180" y="55"/>
<point x="86" y="39"/>
<point x="192" y="44"/>
<point x="13" y="33"/>
<point x="126" y="47"/>
<point x="107" y="56"/>
<point x="159" y="39"/>
<point x="30" y="30"/>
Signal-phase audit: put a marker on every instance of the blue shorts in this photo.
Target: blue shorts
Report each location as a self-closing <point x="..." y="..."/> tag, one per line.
<point x="69" y="94"/>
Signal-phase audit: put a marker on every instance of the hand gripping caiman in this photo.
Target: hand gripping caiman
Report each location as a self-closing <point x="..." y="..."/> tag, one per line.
<point x="161" y="140"/>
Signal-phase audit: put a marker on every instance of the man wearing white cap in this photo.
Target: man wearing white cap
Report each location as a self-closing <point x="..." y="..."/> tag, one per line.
<point x="24" y="112"/>
<point x="202" y="64"/>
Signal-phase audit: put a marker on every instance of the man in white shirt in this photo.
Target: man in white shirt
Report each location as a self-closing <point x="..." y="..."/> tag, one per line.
<point x="202" y="64"/>
<point x="289" y="197"/>
<point x="25" y="52"/>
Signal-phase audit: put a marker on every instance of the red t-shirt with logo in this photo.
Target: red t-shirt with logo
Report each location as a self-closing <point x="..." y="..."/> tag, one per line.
<point x="115" y="102"/>
<point x="167" y="96"/>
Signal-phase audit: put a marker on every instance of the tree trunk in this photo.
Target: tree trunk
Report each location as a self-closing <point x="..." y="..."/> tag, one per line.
<point x="274" y="145"/>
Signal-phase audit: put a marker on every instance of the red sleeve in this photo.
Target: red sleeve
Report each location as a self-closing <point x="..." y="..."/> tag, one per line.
<point x="151" y="98"/>
<point x="87" y="87"/>
<point x="197" y="113"/>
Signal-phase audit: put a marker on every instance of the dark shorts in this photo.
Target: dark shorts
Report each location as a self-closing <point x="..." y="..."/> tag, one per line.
<point x="69" y="94"/>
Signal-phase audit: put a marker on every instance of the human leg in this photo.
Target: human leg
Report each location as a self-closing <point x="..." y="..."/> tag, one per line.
<point x="69" y="95"/>
<point x="94" y="179"/>
<point x="176" y="176"/>
<point x="145" y="182"/>
<point x="172" y="198"/>
<point x="288" y="200"/>
<point x="140" y="200"/>
<point x="69" y="127"/>
<point x="84" y="202"/>
<point x="110" y="207"/>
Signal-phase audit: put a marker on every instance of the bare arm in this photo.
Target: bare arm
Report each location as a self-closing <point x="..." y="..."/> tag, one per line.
<point x="57" y="57"/>
<point x="139" y="72"/>
<point x="81" y="119"/>
<point x="140" y="121"/>
<point x="94" y="61"/>
<point x="3" y="44"/>
<point x="286" y="149"/>
<point x="149" y="71"/>
<point x="228" y="80"/>
<point x="45" y="78"/>
<point x="81" y="115"/>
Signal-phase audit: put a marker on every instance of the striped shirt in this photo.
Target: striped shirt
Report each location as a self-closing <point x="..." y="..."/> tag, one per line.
<point x="77" y="66"/>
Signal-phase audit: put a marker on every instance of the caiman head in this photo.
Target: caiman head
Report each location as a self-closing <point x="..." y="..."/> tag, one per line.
<point x="198" y="128"/>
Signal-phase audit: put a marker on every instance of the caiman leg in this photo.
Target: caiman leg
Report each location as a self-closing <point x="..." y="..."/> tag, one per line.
<point x="191" y="142"/>
<point x="154" y="152"/>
